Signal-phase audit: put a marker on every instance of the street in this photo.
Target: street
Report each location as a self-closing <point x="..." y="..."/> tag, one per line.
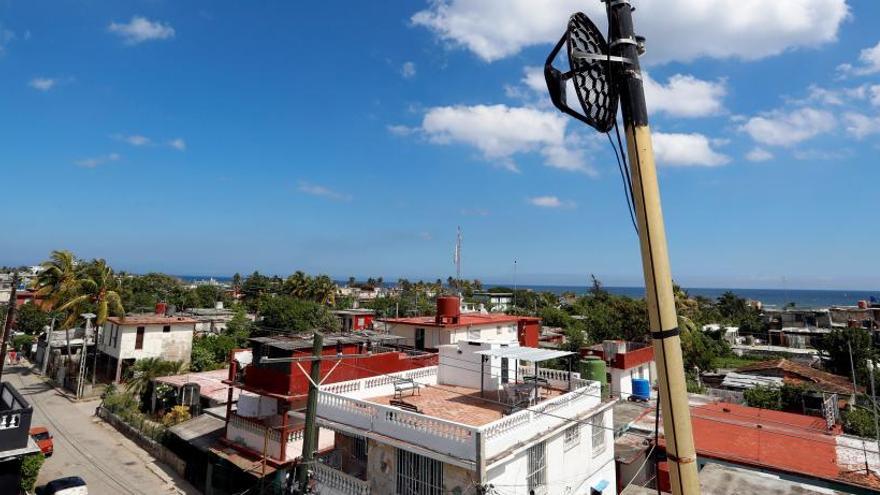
<point x="85" y="446"/>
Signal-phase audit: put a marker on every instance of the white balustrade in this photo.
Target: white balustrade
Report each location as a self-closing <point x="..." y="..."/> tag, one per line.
<point x="380" y="385"/>
<point x="333" y="482"/>
<point x="9" y="421"/>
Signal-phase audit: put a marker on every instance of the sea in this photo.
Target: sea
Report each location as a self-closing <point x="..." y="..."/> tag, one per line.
<point x="772" y="298"/>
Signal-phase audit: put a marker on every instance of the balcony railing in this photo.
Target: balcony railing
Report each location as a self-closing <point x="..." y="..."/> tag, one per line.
<point x="382" y="384"/>
<point x="555" y="378"/>
<point x="449" y="437"/>
<point x="333" y="482"/>
<point x="15" y="418"/>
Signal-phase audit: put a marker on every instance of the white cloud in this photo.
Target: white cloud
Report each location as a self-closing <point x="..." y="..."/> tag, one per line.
<point x="6" y="35"/>
<point x="408" y="70"/>
<point x="869" y="62"/>
<point x="759" y="155"/>
<point x="861" y="125"/>
<point x="402" y="130"/>
<point x="323" y="192"/>
<point x="178" y="143"/>
<point x="42" y="83"/>
<point x="136" y="140"/>
<point x="140" y="29"/>
<point x="686" y="150"/>
<point x="875" y="95"/>
<point x="685" y="96"/>
<point x="501" y="132"/>
<point x="779" y="128"/>
<point x="549" y="202"/>
<point x="680" y="30"/>
<point x="97" y="160"/>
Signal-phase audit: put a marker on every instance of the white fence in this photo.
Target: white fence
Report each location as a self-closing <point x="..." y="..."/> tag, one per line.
<point x="342" y="403"/>
<point x="333" y="482"/>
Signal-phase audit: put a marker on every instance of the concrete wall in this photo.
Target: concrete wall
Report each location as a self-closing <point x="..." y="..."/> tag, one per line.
<point x="460" y="366"/>
<point x="175" y="345"/>
<point x="435" y="337"/>
<point x="621" y="380"/>
<point x="572" y="470"/>
<point x="381" y="467"/>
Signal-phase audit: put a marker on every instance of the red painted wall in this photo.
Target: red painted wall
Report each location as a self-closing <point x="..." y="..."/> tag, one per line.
<point x="528" y="331"/>
<point x="294" y="384"/>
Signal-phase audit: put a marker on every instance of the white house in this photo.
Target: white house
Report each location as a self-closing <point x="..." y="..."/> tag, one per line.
<point x="122" y="341"/>
<point x="452" y="428"/>
<point x="626" y="361"/>
<point x="450" y="326"/>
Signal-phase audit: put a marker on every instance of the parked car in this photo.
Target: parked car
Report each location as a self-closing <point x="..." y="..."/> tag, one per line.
<point x="72" y="485"/>
<point x="43" y="438"/>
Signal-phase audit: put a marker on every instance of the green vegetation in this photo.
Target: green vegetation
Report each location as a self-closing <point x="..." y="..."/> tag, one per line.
<point x="177" y="414"/>
<point x="30" y="469"/>
<point x="211" y="352"/>
<point x="30" y="319"/>
<point x="144" y="371"/>
<point x="733" y="361"/>
<point x="860" y="422"/>
<point x="296" y="315"/>
<point x="125" y="405"/>
<point x="764" y="397"/>
<point x="836" y="346"/>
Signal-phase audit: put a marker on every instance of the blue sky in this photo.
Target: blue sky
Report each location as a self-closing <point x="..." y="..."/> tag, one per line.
<point x="208" y="137"/>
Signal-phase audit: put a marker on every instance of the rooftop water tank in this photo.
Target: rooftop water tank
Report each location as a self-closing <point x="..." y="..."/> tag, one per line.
<point x="641" y="389"/>
<point x="448" y="309"/>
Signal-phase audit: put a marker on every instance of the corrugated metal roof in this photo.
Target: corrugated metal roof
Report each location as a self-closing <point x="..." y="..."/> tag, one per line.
<point x="736" y="380"/>
<point x="532" y="354"/>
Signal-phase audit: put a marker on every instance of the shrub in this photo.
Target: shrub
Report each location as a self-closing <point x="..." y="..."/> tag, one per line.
<point x="858" y="421"/>
<point x="764" y="398"/>
<point x="22" y="343"/>
<point x="30" y="469"/>
<point x="178" y="414"/>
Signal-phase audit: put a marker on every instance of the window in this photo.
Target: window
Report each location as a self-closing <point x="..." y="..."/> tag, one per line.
<point x="418" y="475"/>
<point x="597" y="424"/>
<point x="166" y="329"/>
<point x="536" y="477"/>
<point x="473" y="334"/>
<point x="139" y="338"/>
<point x="571" y="437"/>
<point x="114" y="335"/>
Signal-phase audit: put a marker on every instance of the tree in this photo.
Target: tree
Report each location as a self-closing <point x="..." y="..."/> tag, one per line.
<point x="295" y="315"/>
<point x="146" y="370"/>
<point x="30" y="470"/>
<point x="30" y="319"/>
<point x="140" y="293"/>
<point x="59" y="278"/>
<point x="97" y="290"/>
<point x="860" y="422"/>
<point x="835" y="348"/>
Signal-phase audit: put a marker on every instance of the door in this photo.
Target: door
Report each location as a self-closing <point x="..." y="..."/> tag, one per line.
<point x="420" y="339"/>
<point x="505" y="373"/>
<point x="139" y="338"/>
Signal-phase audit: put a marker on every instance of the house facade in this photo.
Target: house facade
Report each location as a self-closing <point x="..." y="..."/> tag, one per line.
<point x="450" y="326"/>
<point x="456" y="435"/>
<point x="123" y="341"/>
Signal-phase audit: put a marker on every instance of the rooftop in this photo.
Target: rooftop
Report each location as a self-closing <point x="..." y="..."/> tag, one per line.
<point x="210" y="383"/>
<point x="151" y="319"/>
<point x="827" y="382"/>
<point x="304" y="341"/>
<point x="460" y="404"/>
<point x="464" y="320"/>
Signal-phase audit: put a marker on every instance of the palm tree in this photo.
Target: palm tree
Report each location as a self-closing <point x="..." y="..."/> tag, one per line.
<point x="146" y="370"/>
<point x="324" y="290"/>
<point x="59" y="279"/>
<point x="297" y="285"/>
<point x="98" y="289"/>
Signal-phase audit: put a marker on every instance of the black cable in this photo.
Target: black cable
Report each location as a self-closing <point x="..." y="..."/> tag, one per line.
<point x="656" y="443"/>
<point x="627" y="187"/>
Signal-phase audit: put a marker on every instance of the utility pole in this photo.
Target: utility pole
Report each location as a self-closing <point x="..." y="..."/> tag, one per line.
<point x="681" y="453"/>
<point x="310" y="435"/>
<point x="10" y="315"/>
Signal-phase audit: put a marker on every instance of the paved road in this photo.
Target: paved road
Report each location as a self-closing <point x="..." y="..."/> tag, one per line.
<point x="86" y="446"/>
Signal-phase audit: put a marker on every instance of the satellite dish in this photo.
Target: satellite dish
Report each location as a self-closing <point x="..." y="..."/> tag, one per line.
<point x="591" y="73"/>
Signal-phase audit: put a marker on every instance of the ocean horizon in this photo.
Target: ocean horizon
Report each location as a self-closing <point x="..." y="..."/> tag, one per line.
<point x="802" y="298"/>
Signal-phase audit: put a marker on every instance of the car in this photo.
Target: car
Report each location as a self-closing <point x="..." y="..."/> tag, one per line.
<point x="72" y="485"/>
<point x="43" y="438"/>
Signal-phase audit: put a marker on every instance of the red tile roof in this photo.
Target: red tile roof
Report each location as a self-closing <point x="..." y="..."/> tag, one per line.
<point x="795" y="373"/>
<point x="772" y="439"/>
<point x="465" y="320"/>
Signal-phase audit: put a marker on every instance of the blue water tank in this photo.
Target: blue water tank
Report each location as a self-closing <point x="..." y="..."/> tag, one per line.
<point x="641" y="389"/>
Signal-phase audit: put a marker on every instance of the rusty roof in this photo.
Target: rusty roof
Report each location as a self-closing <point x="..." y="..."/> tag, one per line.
<point x="827" y="382"/>
<point x="151" y="319"/>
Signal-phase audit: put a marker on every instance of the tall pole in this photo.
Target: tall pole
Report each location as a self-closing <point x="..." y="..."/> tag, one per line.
<point x="874" y="405"/>
<point x="514" y="283"/>
<point x="310" y="435"/>
<point x="680" y="450"/>
<point x="10" y="315"/>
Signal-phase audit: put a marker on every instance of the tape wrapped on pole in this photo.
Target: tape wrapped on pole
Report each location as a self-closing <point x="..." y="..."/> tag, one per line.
<point x="665" y="334"/>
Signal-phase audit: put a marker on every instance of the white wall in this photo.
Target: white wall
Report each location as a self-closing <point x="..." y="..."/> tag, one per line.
<point x="569" y="471"/>
<point x="437" y="336"/>
<point x="175" y="345"/>
<point x="459" y="365"/>
<point x="621" y="380"/>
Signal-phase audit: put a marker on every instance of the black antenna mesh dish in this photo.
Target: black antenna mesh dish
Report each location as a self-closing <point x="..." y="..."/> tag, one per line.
<point x="591" y="73"/>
